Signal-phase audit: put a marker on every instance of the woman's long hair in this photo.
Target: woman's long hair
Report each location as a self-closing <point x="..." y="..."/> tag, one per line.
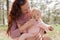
<point x="15" y="12"/>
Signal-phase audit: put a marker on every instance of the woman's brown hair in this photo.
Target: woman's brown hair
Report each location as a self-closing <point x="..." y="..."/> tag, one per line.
<point x="15" y="12"/>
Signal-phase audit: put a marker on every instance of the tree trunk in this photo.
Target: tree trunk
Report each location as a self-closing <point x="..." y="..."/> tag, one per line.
<point x="7" y="8"/>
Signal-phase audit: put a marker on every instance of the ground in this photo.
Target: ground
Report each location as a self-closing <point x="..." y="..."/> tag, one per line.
<point x="55" y="35"/>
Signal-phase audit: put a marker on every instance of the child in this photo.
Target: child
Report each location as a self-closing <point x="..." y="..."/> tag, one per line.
<point x="38" y="28"/>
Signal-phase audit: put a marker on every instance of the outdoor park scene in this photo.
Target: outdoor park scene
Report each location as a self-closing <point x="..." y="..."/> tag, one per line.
<point x="50" y="15"/>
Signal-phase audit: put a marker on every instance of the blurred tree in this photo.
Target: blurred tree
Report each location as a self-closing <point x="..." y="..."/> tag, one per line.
<point x="7" y="6"/>
<point x="1" y="12"/>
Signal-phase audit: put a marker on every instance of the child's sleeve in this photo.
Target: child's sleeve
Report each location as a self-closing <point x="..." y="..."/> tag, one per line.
<point x="43" y="25"/>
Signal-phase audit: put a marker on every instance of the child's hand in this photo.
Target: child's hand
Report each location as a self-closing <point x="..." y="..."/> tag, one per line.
<point x="51" y="28"/>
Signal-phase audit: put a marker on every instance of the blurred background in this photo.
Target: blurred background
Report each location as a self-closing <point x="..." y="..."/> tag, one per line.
<point x="50" y="14"/>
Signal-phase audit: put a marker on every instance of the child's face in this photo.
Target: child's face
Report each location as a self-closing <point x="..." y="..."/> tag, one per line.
<point x="36" y="14"/>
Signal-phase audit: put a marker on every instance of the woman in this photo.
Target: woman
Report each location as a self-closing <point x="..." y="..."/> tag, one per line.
<point x="18" y="17"/>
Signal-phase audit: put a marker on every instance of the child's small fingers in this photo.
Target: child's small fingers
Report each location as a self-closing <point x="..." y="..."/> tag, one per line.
<point x="51" y="28"/>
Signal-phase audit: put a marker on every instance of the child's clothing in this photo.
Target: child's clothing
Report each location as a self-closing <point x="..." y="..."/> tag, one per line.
<point x="34" y="30"/>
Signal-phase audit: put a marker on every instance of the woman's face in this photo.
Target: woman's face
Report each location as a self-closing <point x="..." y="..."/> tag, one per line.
<point x="25" y="8"/>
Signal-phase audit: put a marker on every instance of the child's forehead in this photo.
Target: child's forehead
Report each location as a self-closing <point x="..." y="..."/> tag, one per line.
<point x="36" y="12"/>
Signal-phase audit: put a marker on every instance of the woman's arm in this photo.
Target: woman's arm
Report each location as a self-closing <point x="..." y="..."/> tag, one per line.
<point x="26" y="25"/>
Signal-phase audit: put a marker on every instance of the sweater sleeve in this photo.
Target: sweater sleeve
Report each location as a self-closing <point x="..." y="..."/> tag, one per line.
<point x="14" y="32"/>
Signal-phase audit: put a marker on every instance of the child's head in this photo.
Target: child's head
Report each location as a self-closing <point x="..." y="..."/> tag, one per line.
<point x="36" y="14"/>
